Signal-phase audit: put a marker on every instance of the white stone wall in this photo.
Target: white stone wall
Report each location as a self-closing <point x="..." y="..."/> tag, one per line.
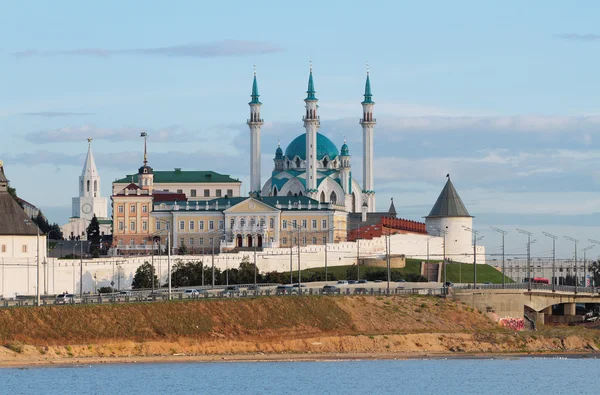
<point x="19" y="276"/>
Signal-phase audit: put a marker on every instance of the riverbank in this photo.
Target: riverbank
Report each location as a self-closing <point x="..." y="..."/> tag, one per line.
<point x="270" y="329"/>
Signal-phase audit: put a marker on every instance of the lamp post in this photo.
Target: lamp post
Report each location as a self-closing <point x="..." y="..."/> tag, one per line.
<point x="427" y="262"/>
<point x="503" y="233"/>
<point x="575" y="241"/>
<point x="167" y="223"/>
<point x="595" y="242"/>
<point x="529" y="234"/>
<point x="584" y="264"/>
<point x="475" y="234"/>
<point x="553" y="237"/>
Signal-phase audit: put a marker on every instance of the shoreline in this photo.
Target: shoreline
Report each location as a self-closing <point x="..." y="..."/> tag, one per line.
<point x="304" y="357"/>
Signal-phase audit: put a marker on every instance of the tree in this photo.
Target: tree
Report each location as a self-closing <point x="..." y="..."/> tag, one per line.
<point x="93" y="235"/>
<point x="182" y="250"/>
<point x="143" y="276"/>
<point x="186" y="274"/>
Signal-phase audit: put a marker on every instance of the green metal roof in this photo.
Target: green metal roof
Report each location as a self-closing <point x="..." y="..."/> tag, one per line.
<point x="181" y="176"/>
<point x="449" y="204"/>
<point x="324" y="147"/>
<point x="345" y="151"/>
<point x="255" y="94"/>
<point x="368" y="94"/>
<point x="310" y="93"/>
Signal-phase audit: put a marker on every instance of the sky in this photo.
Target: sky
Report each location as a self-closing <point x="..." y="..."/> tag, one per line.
<point x="502" y="95"/>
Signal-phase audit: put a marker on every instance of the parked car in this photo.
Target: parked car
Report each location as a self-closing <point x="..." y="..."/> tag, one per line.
<point x="299" y="285"/>
<point x="401" y="281"/>
<point x="342" y="282"/>
<point x="253" y="287"/>
<point x="448" y="284"/>
<point x="352" y="281"/>
<point x="330" y="289"/>
<point x="362" y="281"/>
<point x="231" y="290"/>
<point x="378" y="281"/>
<point x="155" y="295"/>
<point x="487" y="283"/>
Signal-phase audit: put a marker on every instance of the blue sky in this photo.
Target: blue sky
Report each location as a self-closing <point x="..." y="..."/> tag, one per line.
<point x="503" y="95"/>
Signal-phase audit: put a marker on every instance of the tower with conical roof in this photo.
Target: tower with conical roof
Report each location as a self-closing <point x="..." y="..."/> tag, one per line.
<point x="89" y="202"/>
<point x="346" y="171"/>
<point x="311" y="124"/>
<point x="368" y="125"/>
<point x="145" y="173"/>
<point x="255" y="122"/>
<point x="450" y="216"/>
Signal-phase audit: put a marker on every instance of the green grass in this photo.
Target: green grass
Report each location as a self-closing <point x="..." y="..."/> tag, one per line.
<point x="463" y="273"/>
<point x="455" y="272"/>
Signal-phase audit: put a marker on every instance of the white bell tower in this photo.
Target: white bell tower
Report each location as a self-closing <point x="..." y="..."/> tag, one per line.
<point x="89" y="202"/>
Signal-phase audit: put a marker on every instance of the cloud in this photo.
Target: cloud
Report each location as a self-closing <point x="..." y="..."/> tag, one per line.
<point x="171" y="134"/>
<point x="54" y="114"/>
<point x="580" y="37"/>
<point x="198" y="50"/>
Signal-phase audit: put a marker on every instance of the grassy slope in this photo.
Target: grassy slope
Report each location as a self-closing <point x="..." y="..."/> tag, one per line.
<point x="455" y="272"/>
<point x="237" y="319"/>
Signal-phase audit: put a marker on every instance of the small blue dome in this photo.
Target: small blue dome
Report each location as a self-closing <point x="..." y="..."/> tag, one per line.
<point x="325" y="147"/>
<point x="345" y="151"/>
<point x="278" y="153"/>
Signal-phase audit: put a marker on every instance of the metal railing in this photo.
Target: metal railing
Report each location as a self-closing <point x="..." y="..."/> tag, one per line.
<point x="534" y="287"/>
<point x="262" y="290"/>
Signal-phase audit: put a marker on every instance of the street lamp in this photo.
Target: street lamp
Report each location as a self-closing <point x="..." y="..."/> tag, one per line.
<point x="37" y="289"/>
<point x="168" y="253"/>
<point x="444" y="232"/>
<point x="584" y="264"/>
<point x="529" y="234"/>
<point x="427" y="263"/>
<point x="475" y="234"/>
<point x="575" y="241"/>
<point x="553" y="258"/>
<point x="503" y="233"/>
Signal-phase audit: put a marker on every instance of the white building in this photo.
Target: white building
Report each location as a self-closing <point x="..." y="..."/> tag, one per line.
<point x="312" y="165"/>
<point x="89" y="203"/>
<point x="21" y="245"/>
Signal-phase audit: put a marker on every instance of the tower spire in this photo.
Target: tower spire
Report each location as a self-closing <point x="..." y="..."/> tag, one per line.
<point x="145" y="136"/>
<point x="255" y="123"/>
<point x="368" y="125"/>
<point x="254" y="94"/>
<point x="310" y="93"/>
<point x="368" y="95"/>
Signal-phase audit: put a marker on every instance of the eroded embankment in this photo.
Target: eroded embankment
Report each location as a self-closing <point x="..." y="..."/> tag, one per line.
<point x="358" y="324"/>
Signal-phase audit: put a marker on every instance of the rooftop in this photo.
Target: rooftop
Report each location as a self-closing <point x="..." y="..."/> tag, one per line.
<point x="449" y="204"/>
<point x="182" y="176"/>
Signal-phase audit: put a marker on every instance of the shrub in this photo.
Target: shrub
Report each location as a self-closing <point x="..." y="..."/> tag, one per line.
<point x="15" y="346"/>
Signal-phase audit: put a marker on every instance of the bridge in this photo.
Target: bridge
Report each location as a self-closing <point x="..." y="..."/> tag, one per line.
<point x="537" y="301"/>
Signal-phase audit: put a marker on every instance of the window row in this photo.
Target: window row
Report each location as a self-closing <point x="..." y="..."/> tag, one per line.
<point x="132" y="208"/>
<point x="3" y="248"/>
<point x="304" y="224"/>
<point x="202" y="226"/>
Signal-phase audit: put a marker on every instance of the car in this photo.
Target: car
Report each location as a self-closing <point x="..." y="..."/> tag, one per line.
<point x="330" y="289"/>
<point x="155" y="295"/>
<point x="231" y="290"/>
<point x="253" y="287"/>
<point x="360" y="290"/>
<point x="64" y="298"/>
<point x="401" y="281"/>
<point x="352" y="281"/>
<point x="283" y="289"/>
<point x="191" y="293"/>
<point x="342" y="282"/>
<point x="363" y="281"/>
<point x="301" y="285"/>
<point x="487" y="283"/>
<point x="448" y="284"/>
<point x="378" y="281"/>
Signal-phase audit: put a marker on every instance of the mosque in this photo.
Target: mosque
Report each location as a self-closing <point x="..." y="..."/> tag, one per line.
<point x="312" y="165"/>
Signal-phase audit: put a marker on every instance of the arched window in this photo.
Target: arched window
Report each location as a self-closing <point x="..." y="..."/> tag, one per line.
<point x="272" y="223"/>
<point x="81" y="186"/>
<point x="333" y="198"/>
<point x="252" y="222"/>
<point x="300" y="193"/>
<point x="297" y="162"/>
<point x="88" y="185"/>
<point x="322" y="199"/>
<point x="353" y="202"/>
<point x="274" y="191"/>
<point x="290" y="193"/>
<point x="242" y="222"/>
<point x="262" y="222"/>
<point x="325" y="162"/>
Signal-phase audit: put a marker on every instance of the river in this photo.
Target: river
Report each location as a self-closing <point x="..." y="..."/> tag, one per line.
<point x="435" y="376"/>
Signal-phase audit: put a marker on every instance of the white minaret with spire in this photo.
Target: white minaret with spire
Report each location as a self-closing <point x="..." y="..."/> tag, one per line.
<point x="368" y="124"/>
<point x="89" y="202"/>
<point x="255" y="123"/>
<point x="311" y="124"/>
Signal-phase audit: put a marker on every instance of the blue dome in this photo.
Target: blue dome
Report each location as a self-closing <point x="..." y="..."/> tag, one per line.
<point x="278" y="152"/>
<point x="345" y="150"/>
<point x="324" y="147"/>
